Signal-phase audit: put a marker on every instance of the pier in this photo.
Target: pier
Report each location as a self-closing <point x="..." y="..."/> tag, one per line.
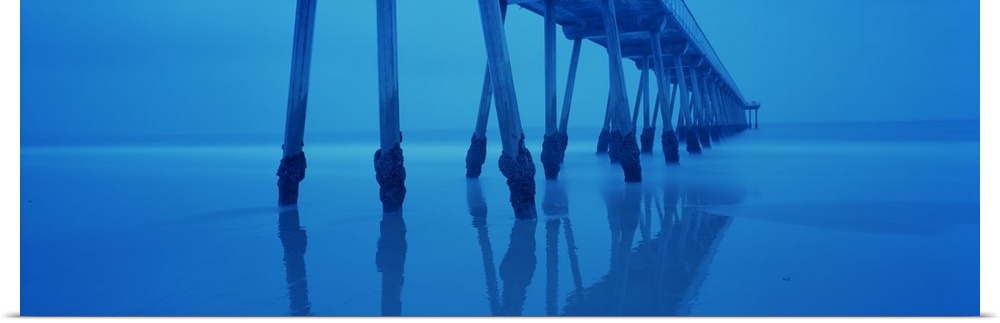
<point x="695" y="98"/>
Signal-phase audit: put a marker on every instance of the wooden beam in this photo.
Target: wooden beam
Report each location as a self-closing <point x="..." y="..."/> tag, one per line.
<point x="638" y="97"/>
<point x="502" y="77"/>
<point x="696" y="99"/>
<point x="482" y="120"/>
<point x="661" y="77"/>
<point x="298" y="88"/>
<point x="670" y="104"/>
<point x="388" y="74"/>
<point x="682" y="118"/>
<point x="644" y="84"/>
<point x="570" y="79"/>
<point x="629" y="25"/>
<point x="657" y="105"/>
<point x="637" y="51"/>
<point x="620" y="114"/>
<point x="550" y="67"/>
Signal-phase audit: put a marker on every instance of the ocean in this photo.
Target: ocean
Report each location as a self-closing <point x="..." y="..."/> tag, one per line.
<point x="824" y="219"/>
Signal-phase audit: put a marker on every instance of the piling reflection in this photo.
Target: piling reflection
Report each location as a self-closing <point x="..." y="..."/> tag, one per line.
<point x="477" y="208"/>
<point x="660" y="248"/>
<point x="293" y="240"/>
<point x="518" y="266"/>
<point x="390" y="257"/>
<point x="662" y="274"/>
<point x="555" y="206"/>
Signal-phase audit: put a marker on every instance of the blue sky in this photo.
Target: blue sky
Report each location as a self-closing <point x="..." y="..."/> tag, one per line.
<point x="125" y="67"/>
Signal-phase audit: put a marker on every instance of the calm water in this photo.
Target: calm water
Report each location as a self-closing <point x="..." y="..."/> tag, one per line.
<point x="822" y="219"/>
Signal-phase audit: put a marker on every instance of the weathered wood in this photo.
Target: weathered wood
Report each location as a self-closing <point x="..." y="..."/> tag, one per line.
<point x="570" y="80"/>
<point x="638" y="97"/>
<point x="502" y="77"/>
<point x="483" y="118"/>
<point x="682" y="117"/>
<point x="298" y="88"/>
<point x="388" y="74"/>
<point x="624" y="133"/>
<point x="670" y="105"/>
<point x="645" y="92"/>
<point x="656" y="106"/>
<point x="695" y="99"/>
<point x="661" y="78"/>
<point x="620" y="113"/>
<point x="718" y="116"/>
<point x="706" y="112"/>
<point x="550" y="67"/>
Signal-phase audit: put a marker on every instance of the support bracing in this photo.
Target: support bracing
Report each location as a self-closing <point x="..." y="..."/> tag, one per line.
<point x="605" y="135"/>
<point x="621" y="127"/>
<point x="706" y="114"/>
<point x="515" y="161"/>
<point x="648" y="128"/>
<point x="668" y="140"/>
<point x="292" y="169"/>
<point x="476" y="155"/>
<point x="554" y="142"/>
<point x="693" y="146"/>
<point x="684" y="108"/>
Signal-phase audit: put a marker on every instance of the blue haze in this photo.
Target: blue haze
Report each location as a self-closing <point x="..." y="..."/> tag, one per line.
<point x="118" y="67"/>
<point x="150" y="132"/>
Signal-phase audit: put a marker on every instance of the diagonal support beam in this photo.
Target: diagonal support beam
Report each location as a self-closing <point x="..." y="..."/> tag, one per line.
<point x="292" y="169"/>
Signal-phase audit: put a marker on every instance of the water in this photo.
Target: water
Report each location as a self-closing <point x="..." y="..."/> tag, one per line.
<point x="820" y="219"/>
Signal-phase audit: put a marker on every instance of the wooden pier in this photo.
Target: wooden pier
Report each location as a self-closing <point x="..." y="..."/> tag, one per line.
<point x="660" y="37"/>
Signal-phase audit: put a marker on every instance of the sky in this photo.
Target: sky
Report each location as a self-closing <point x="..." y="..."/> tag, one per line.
<point x="125" y="67"/>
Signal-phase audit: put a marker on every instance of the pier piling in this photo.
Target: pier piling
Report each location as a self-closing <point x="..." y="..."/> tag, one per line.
<point x="389" y="170"/>
<point x="475" y="156"/>
<point x="554" y="142"/>
<point x="292" y="169"/>
<point x="515" y="160"/>
<point x="622" y="131"/>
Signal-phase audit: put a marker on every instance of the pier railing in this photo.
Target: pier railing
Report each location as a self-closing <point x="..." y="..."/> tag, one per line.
<point x="682" y="15"/>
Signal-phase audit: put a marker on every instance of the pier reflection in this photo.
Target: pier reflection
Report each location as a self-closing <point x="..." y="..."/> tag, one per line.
<point x="661" y="242"/>
<point x="663" y="272"/>
<point x="477" y="208"/>
<point x="555" y="205"/>
<point x="518" y="265"/>
<point x="293" y="240"/>
<point x="390" y="258"/>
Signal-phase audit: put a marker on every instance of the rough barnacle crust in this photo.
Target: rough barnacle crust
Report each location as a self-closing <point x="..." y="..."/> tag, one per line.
<point x="475" y="157"/>
<point x="629" y="157"/>
<point x="391" y="175"/>
<point x="615" y="146"/>
<point x="553" y="152"/>
<point x="692" y="141"/>
<point x="602" y="141"/>
<point x="291" y="171"/>
<point x="520" y="174"/>
<point x="670" y="147"/>
<point x="646" y="140"/>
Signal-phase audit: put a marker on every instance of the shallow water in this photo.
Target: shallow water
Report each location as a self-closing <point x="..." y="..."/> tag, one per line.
<point x="822" y="219"/>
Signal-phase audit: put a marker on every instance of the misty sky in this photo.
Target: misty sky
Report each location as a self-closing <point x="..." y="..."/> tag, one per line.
<point x="127" y="67"/>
